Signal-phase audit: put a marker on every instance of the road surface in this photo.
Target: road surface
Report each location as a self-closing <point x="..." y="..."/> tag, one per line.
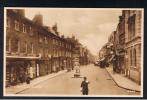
<point x="100" y="84"/>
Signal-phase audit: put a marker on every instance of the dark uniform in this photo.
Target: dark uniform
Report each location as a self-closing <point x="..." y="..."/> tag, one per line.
<point x="84" y="86"/>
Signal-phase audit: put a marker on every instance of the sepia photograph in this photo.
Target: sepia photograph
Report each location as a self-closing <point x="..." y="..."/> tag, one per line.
<point x="80" y="52"/>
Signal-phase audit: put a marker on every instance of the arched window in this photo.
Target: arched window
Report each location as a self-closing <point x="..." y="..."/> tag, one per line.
<point x="134" y="53"/>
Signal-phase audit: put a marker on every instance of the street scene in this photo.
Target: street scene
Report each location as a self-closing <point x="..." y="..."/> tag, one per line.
<point x="73" y="52"/>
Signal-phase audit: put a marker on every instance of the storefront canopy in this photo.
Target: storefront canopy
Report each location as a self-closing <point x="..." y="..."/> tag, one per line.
<point x="112" y="57"/>
<point x="19" y="57"/>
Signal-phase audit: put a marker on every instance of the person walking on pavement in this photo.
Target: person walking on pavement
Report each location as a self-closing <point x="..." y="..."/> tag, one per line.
<point x="84" y="86"/>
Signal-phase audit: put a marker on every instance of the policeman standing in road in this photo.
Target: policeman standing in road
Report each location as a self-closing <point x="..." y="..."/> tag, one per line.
<point x="84" y="86"/>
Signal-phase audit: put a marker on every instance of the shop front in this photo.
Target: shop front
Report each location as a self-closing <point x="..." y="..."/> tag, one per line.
<point x="18" y="69"/>
<point x="16" y="72"/>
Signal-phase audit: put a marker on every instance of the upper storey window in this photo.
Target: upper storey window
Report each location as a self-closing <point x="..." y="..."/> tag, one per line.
<point x="16" y="25"/>
<point x="8" y="22"/>
<point x="24" y="28"/>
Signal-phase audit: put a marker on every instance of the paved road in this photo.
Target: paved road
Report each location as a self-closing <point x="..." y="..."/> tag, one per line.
<point x="100" y="84"/>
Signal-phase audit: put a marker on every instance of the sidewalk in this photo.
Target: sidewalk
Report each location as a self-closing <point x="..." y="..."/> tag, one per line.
<point x="21" y="87"/>
<point x="123" y="81"/>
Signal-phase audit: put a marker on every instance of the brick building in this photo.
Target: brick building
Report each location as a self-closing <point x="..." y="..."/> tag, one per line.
<point x="33" y="49"/>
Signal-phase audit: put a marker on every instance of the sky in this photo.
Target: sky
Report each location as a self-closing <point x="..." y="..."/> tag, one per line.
<point x="91" y="26"/>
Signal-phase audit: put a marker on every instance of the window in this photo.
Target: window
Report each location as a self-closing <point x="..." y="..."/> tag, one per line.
<point x="18" y="46"/>
<point x="26" y="47"/>
<point x="24" y="28"/>
<point x="134" y="53"/>
<point x="40" y="52"/>
<point x="8" y="45"/>
<point x="45" y="39"/>
<point x="32" y="48"/>
<point x="56" y="42"/>
<point x="69" y="46"/>
<point x="15" y="45"/>
<point x="131" y="26"/>
<point x="30" y="29"/>
<point x="8" y="22"/>
<point x="131" y="58"/>
<point x="53" y="41"/>
<point x="40" y="40"/>
<point x="60" y="43"/>
<point x="16" y="25"/>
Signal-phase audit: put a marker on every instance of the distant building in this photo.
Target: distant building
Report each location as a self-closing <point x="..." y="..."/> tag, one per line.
<point x="81" y="54"/>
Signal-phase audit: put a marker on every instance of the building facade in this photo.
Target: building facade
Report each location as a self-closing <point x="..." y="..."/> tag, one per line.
<point x="120" y="44"/>
<point x="127" y="44"/>
<point x="21" y="46"/>
<point x="33" y="49"/>
<point x="81" y="55"/>
<point x="133" y="44"/>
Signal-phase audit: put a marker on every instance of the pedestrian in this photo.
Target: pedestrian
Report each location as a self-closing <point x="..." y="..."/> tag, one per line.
<point x="114" y="64"/>
<point x="21" y="78"/>
<point x="84" y="86"/>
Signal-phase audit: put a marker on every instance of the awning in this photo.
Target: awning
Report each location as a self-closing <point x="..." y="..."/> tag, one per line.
<point x="22" y="57"/>
<point x="102" y="59"/>
<point x="111" y="58"/>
